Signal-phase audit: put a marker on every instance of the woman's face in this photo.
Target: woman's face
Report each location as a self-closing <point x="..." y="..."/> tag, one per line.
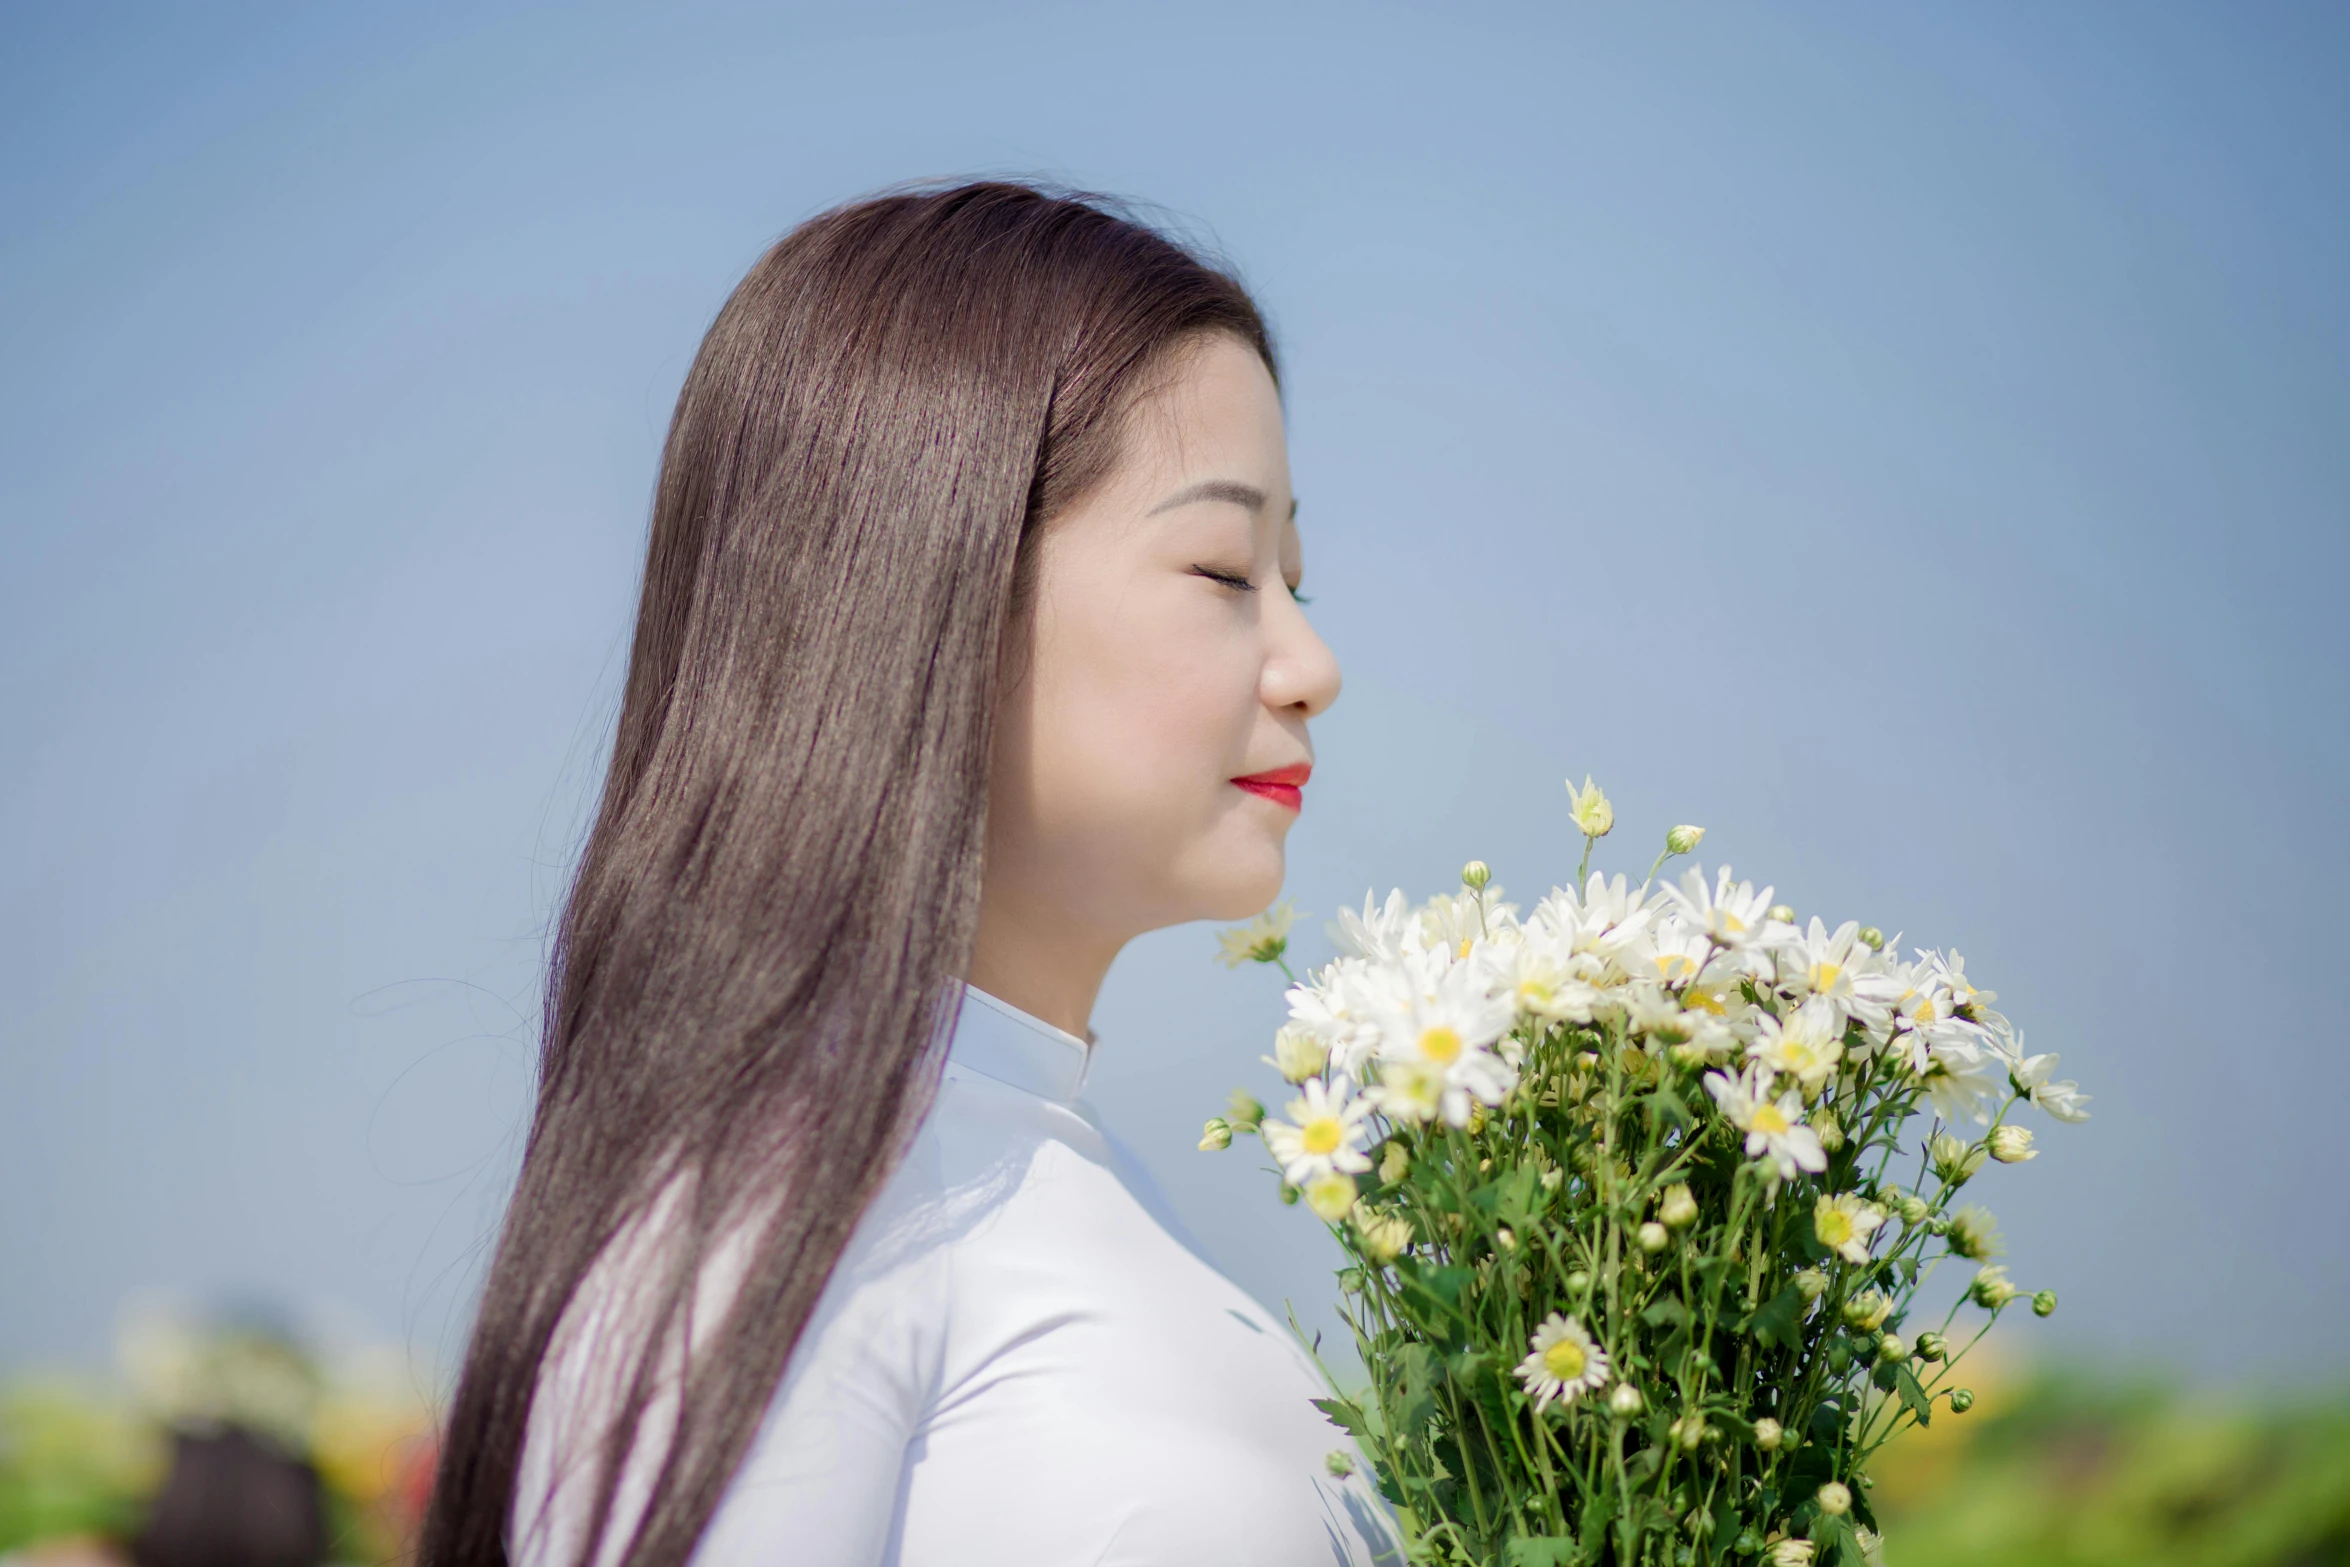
<point x="1169" y="662"/>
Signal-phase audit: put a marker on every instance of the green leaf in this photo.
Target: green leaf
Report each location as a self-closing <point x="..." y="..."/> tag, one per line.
<point x="1905" y="1382"/>
<point x="1591" y="1530"/>
<point x="1415" y="1391"/>
<point x="1779" y="1321"/>
<point x="1436" y="1289"/>
<point x="1725" y="1528"/>
<point x="1666" y="1105"/>
<point x="1542" y="1550"/>
<point x="1833" y="1539"/>
<point x="1666" y="1311"/>
<point x="1343" y="1414"/>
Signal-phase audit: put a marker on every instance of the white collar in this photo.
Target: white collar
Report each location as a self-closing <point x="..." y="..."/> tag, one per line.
<point x="997" y="1040"/>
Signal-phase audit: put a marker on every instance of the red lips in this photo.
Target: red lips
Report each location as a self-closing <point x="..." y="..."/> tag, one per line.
<point x="1284" y="786"/>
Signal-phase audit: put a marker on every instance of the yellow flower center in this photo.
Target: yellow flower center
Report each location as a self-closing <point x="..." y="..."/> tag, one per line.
<point x="1565" y="1360"/>
<point x="1533" y="993"/>
<point x="1675" y="965"/>
<point x="1466" y="943"/>
<point x="1320" y="1135"/>
<point x="1707" y="1000"/>
<point x="1824" y="975"/>
<point x="1835" y="1228"/>
<point x="1768" y="1119"/>
<point x="1441" y="1045"/>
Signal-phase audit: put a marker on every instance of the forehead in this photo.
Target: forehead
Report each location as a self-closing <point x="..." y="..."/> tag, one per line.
<point x="1212" y="413"/>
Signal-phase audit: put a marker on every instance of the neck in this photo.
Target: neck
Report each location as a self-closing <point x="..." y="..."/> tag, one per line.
<point x="1042" y="963"/>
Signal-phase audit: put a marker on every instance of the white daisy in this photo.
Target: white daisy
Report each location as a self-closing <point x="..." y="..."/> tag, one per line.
<point x="1380" y="934"/>
<point x="1844" y="1224"/>
<point x="1805" y="1046"/>
<point x="2063" y="1100"/>
<point x="1951" y="971"/>
<point x="1964" y="1077"/>
<point x="1774" y="1129"/>
<point x="1599" y="921"/>
<point x="1540" y="983"/>
<point x="1324" y="1135"/>
<point x="1459" y="924"/>
<point x="1837" y="967"/>
<point x="1730" y="914"/>
<point x="1261" y="940"/>
<point x="1436" y="1043"/>
<point x="1562" y="1363"/>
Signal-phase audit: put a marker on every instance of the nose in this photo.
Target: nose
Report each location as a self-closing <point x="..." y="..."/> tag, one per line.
<point x="1301" y="673"/>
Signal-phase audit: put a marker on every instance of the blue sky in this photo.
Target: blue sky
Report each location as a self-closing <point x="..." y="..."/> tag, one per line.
<point x="1913" y="442"/>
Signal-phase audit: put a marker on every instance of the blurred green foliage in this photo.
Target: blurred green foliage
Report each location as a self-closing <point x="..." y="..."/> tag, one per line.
<point x="73" y="1462"/>
<point x="2075" y="1469"/>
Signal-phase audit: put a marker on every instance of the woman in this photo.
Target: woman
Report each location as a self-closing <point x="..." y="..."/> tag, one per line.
<point x="968" y="651"/>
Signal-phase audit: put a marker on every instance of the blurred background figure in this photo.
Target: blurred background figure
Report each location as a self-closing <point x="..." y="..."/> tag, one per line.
<point x="233" y="1499"/>
<point x="219" y="1441"/>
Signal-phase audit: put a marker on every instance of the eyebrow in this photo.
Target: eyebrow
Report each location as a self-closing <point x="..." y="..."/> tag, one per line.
<point x="1232" y="490"/>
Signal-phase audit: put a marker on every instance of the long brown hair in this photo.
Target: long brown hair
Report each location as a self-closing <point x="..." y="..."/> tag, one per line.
<point x="760" y="959"/>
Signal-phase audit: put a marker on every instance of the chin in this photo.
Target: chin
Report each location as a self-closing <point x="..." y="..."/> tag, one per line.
<point x="1241" y="885"/>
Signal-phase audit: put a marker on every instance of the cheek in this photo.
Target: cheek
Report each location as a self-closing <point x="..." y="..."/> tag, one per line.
<point x="1146" y="710"/>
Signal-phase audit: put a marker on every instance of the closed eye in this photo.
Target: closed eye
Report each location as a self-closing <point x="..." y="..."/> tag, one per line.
<point x="1229" y="579"/>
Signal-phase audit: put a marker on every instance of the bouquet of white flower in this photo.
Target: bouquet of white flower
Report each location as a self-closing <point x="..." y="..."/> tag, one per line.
<point x="1631" y="1258"/>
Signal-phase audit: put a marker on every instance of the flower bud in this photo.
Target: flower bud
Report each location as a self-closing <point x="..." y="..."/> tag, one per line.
<point x="1384" y="1236"/>
<point x="1974" y="1234"/>
<point x="1867" y="1311"/>
<point x="1831" y="1134"/>
<point x="1892" y="1349"/>
<point x="1781" y="913"/>
<point x="1298" y="1055"/>
<point x="1991" y="1289"/>
<point x="1768" y="1433"/>
<point x="1624" y="1401"/>
<point x="1216" y="1135"/>
<point x="1678" y="1210"/>
<point x="1915" y="1210"/>
<point x="1394" y="1163"/>
<point x="1811" y="1283"/>
<point x="1955" y="1161"/>
<point x="1246" y="1112"/>
<point x="1506" y="1238"/>
<point x="1690" y="1431"/>
<point x="1476" y="875"/>
<point x="1684" y="840"/>
<point x="1288" y="1195"/>
<point x="1871" y="938"/>
<point x="1330" y="1196"/>
<point x="1338" y="1463"/>
<point x="1578" y="1283"/>
<point x="1962" y="1399"/>
<point x="1932" y="1346"/>
<point x="2044" y="1304"/>
<point x="1593" y="816"/>
<point x="1791" y="1553"/>
<point x="1835" y="1499"/>
<point x="1653" y="1236"/>
<point x="2012" y="1144"/>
